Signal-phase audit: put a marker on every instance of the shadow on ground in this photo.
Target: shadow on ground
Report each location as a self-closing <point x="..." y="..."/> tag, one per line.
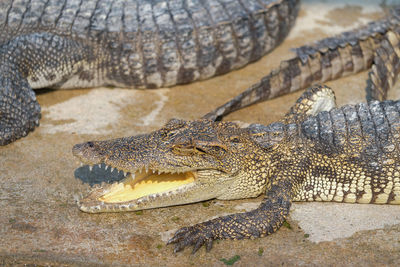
<point x="98" y="175"/>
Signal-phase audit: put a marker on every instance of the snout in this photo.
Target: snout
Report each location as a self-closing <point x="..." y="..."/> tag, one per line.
<point x="87" y="152"/>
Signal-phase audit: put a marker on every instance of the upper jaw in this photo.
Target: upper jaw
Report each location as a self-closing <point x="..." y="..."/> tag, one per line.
<point x="126" y="159"/>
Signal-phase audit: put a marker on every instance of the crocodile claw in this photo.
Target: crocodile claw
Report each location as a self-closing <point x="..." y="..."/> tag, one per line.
<point x="196" y="235"/>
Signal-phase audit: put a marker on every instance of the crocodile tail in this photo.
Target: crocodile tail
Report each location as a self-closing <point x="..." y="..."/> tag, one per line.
<point x="386" y="67"/>
<point x="327" y="59"/>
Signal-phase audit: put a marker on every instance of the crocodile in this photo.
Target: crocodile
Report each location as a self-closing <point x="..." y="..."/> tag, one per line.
<point x="125" y="43"/>
<point x="317" y="152"/>
<point x="151" y="44"/>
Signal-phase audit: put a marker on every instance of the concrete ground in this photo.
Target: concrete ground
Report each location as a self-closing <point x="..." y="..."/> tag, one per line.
<point x="40" y="181"/>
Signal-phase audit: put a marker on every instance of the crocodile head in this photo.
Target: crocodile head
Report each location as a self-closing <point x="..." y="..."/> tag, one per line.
<point x="183" y="162"/>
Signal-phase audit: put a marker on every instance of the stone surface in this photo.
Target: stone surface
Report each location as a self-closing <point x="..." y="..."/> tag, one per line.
<point x="39" y="181"/>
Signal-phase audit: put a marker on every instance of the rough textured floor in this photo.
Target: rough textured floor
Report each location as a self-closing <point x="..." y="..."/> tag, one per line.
<point x="41" y="224"/>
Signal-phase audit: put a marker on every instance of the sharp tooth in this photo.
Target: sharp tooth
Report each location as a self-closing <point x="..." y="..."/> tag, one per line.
<point x="125" y="173"/>
<point x="99" y="165"/>
<point x="147" y="170"/>
<point x="106" y="167"/>
<point x="81" y="164"/>
<point x="112" y="169"/>
<point x="90" y="168"/>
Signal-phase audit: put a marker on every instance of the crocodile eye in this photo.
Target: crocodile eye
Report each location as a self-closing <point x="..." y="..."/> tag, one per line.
<point x="200" y="150"/>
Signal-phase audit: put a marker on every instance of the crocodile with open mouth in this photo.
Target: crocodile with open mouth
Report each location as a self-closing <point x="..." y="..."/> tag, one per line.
<point x="316" y="153"/>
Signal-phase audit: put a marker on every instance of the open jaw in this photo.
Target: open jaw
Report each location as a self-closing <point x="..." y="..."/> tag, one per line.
<point x="141" y="189"/>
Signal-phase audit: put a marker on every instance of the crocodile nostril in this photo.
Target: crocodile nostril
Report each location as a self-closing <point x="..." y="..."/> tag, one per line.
<point x="90" y="144"/>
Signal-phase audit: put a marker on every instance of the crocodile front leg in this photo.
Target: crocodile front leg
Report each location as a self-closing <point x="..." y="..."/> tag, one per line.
<point x="19" y="110"/>
<point x="35" y="61"/>
<point x="264" y="220"/>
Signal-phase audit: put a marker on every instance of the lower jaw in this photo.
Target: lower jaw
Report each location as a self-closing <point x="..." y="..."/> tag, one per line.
<point x="130" y="195"/>
<point x="105" y="207"/>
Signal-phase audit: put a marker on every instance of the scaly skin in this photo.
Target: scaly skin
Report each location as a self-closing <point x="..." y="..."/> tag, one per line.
<point x="386" y="67"/>
<point x="150" y="44"/>
<point x="316" y="153"/>
<point x="375" y="46"/>
<point x="132" y="43"/>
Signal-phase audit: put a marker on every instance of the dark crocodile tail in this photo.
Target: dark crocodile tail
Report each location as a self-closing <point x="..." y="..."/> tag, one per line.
<point x="386" y="67"/>
<point x="327" y="59"/>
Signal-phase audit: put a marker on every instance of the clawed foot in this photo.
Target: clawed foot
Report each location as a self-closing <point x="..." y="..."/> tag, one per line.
<point x="196" y="235"/>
